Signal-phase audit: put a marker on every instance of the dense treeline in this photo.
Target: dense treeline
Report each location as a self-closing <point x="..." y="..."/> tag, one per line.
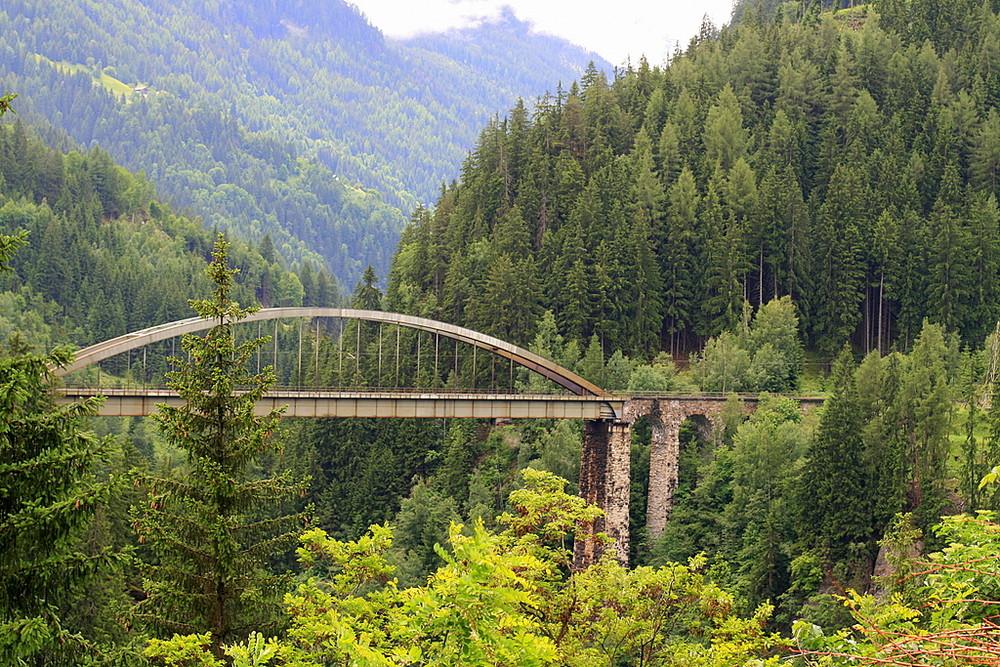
<point x="797" y="505"/>
<point x="792" y="159"/>
<point x="106" y="257"/>
<point x="846" y="159"/>
<point x="842" y="159"/>
<point x="266" y="117"/>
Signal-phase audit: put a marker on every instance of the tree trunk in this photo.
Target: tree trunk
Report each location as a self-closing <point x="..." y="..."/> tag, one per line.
<point x="881" y="293"/>
<point x="760" y="279"/>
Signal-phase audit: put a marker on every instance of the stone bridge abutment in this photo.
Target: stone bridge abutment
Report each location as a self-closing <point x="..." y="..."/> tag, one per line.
<point x="605" y="467"/>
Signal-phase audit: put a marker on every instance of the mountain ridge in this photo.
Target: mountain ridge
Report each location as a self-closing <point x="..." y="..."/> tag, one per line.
<point x="326" y="138"/>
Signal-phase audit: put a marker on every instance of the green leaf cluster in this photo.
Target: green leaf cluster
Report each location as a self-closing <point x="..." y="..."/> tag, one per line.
<point x="502" y="598"/>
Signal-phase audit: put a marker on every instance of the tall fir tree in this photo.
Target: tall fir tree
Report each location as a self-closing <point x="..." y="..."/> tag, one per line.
<point x="214" y="529"/>
<point x="925" y="400"/>
<point x="679" y="266"/>
<point x="833" y="507"/>
<point x="837" y="259"/>
<point x="367" y="295"/>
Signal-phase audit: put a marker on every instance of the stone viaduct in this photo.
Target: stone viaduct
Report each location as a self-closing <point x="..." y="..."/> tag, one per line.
<point x="605" y="465"/>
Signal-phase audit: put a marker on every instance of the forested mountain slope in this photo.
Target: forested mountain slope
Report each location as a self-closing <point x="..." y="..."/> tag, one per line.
<point x="104" y="256"/>
<point x="295" y="119"/>
<point x="849" y="159"/>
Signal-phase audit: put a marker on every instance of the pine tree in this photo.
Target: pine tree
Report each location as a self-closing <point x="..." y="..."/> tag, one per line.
<point x="645" y="274"/>
<point x="214" y="529"/>
<point x="948" y="276"/>
<point x="48" y="495"/>
<point x="725" y="137"/>
<point x="724" y="263"/>
<point x="983" y="260"/>
<point x="679" y="271"/>
<point x="884" y="259"/>
<point x="924" y="403"/>
<point x="838" y="266"/>
<point x="985" y="162"/>
<point x="308" y="284"/>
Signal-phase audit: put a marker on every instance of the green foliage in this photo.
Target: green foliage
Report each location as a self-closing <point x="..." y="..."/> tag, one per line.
<point x="881" y="448"/>
<point x="502" y="599"/>
<point x="726" y="365"/>
<point x="49" y="496"/>
<point x="214" y="529"/>
<point x="366" y="295"/>
<point x="308" y="126"/>
<point x="558" y="450"/>
<point x="736" y="504"/>
<point x="420" y="524"/>
<point x="950" y="624"/>
<point x="187" y="650"/>
<point x="106" y="257"/>
<point x="660" y="376"/>
<point x="768" y="455"/>
<point x="752" y="178"/>
<point x="836" y="518"/>
<point x="925" y="401"/>
<point x="362" y="469"/>
<point x="763" y="353"/>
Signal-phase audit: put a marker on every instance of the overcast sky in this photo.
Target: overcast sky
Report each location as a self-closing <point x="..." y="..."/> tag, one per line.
<point x="619" y="30"/>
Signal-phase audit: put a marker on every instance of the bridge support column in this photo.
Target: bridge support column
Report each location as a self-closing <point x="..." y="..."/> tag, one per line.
<point x="605" y="479"/>
<point x="664" y="454"/>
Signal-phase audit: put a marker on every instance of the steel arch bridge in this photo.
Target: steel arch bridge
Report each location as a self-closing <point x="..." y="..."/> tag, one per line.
<point x="605" y="463"/>
<point x="586" y="400"/>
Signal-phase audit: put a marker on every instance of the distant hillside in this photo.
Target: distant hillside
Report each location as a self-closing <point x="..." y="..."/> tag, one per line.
<point x="278" y="118"/>
<point x="507" y="52"/>
<point x="104" y="256"/>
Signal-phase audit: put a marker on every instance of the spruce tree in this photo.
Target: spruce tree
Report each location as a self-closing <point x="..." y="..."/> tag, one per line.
<point x="214" y="528"/>
<point x="366" y="295"/>
<point x="925" y="402"/>
<point x="839" y="272"/>
<point x="833" y="497"/>
<point x="679" y="266"/>
<point x="48" y="494"/>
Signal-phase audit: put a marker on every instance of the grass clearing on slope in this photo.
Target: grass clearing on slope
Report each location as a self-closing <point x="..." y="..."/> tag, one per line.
<point x="104" y="79"/>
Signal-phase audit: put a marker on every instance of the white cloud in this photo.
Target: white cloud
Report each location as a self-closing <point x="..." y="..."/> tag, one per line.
<point x="618" y="30"/>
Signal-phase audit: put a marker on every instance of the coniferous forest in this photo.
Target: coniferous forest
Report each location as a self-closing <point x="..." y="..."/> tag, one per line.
<point x="802" y="203"/>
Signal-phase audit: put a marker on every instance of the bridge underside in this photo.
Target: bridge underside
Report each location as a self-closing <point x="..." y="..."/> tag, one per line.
<point x="132" y="403"/>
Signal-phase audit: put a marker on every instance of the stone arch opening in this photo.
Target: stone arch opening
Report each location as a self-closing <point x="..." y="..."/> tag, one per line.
<point x="639" y="452"/>
<point x="673" y="423"/>
<point x="695" y="445"/>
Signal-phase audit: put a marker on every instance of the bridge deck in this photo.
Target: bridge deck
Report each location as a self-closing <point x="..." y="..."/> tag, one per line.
<point x="140" y="402"/>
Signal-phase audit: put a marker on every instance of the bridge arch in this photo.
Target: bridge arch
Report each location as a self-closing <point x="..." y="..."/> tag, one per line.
<point x="553" y="371"/>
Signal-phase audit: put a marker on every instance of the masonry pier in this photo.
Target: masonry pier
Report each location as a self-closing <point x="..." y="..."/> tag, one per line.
<point x="605" y="468"/>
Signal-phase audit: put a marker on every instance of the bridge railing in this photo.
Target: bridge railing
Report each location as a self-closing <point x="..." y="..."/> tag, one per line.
<point x="124" y="386"/>
<point x="120" y="386"/>
<point x="718" y="395"/>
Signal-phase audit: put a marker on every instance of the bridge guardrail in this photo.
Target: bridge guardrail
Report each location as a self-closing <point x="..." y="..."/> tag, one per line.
<point x="119" y="387"/>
